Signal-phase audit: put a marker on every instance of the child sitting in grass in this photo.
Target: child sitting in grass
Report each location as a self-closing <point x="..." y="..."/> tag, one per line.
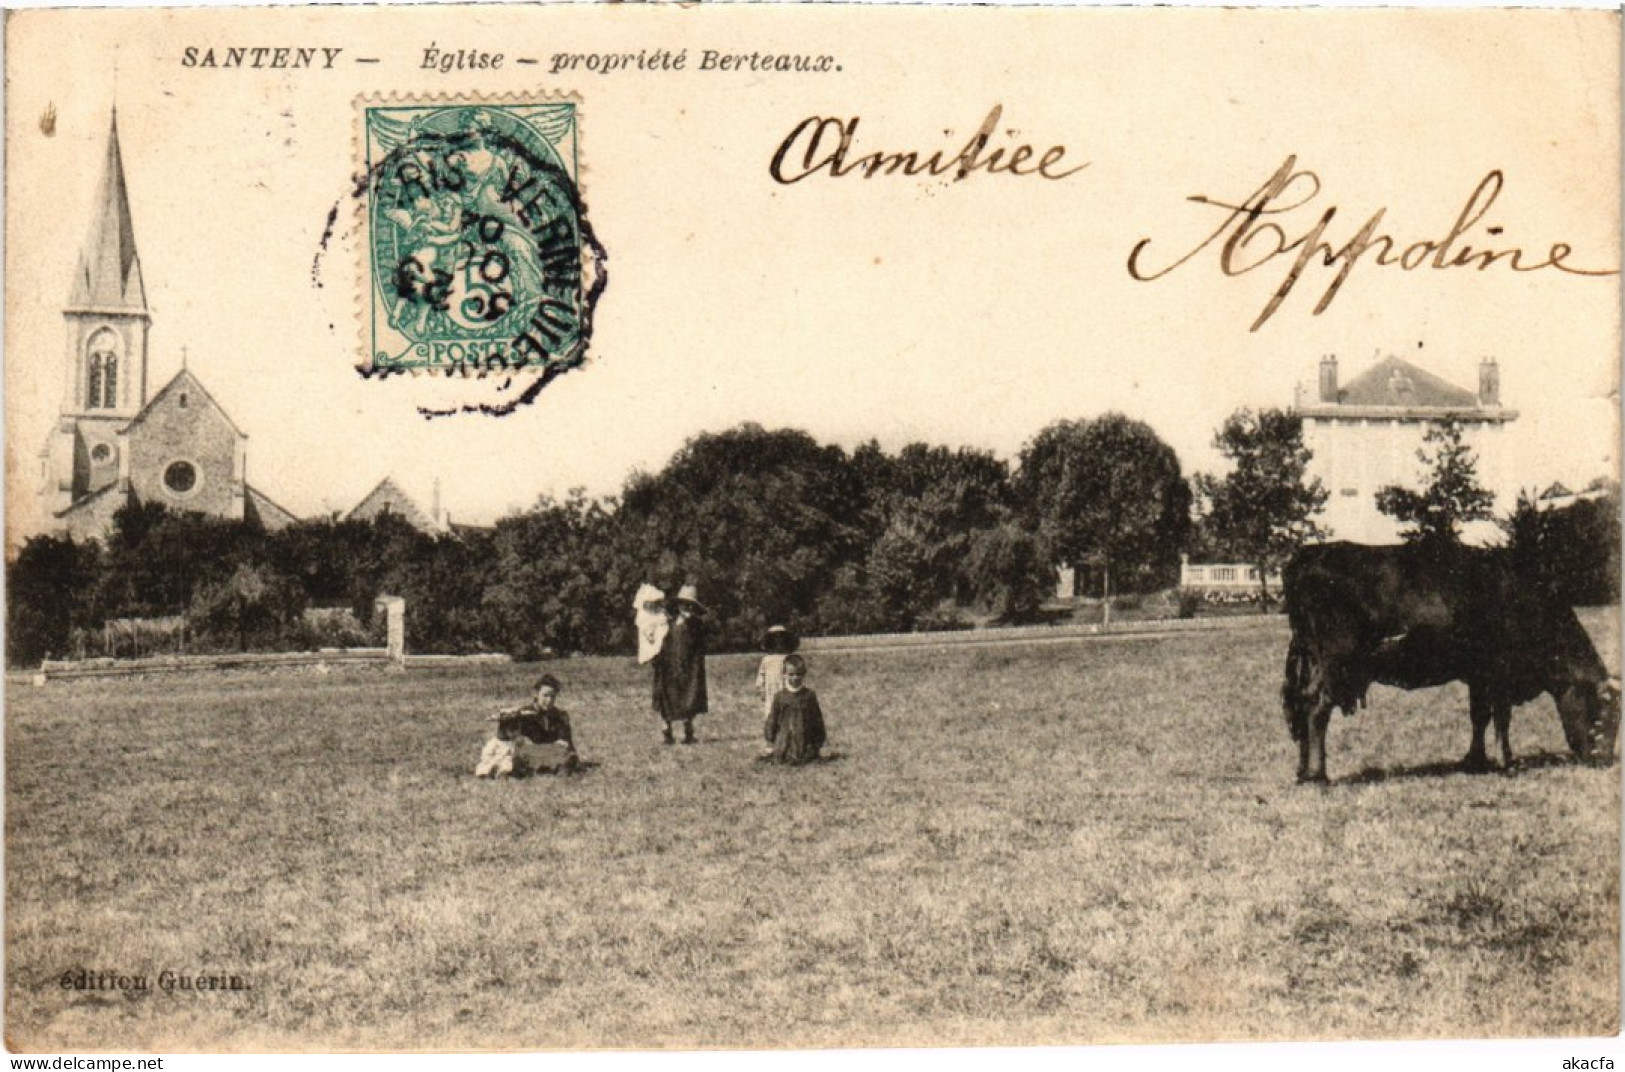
<point x="795" y="726"/>
<point x="531" y="738"/>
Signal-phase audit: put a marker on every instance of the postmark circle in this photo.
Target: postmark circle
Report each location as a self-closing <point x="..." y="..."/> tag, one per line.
<point x="479" y="254"/>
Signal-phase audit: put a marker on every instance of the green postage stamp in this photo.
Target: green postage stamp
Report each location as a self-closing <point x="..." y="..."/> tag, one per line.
<point x="478" y="255"/>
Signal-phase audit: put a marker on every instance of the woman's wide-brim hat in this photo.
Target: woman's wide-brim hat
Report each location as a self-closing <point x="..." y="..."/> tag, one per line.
<point x="690" y="594"/>
<point x="779" y="641"/>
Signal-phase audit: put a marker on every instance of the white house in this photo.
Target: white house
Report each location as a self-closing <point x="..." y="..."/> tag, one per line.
<point x="1365" y="436"/>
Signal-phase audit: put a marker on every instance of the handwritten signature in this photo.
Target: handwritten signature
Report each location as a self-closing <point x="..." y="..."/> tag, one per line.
<point x="1251" y="240"/>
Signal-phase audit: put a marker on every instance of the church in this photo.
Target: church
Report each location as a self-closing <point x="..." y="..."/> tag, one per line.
<point x="114" y="443"/>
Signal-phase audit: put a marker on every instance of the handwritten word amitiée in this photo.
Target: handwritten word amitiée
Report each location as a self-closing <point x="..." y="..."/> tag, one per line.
<point x="825" y="145"/>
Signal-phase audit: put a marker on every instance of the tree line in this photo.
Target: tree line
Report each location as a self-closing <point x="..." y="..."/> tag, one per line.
<point x="774" y="526"/>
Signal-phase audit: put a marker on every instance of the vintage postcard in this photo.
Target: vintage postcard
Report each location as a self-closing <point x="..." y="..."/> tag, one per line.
<point x="674" y="527"/>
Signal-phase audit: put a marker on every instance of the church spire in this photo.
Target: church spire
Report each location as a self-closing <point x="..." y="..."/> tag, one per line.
<point x="109" y="272"/>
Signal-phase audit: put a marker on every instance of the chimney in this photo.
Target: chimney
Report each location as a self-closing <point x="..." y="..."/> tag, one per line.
<point x="435" y="515"/>
<point x="1489" y="382"/>
<point x="1328" y="378"/>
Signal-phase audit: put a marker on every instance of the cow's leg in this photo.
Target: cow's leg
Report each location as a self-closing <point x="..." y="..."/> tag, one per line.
<point x="1480" y="706"/>
<point x="1307" y="711"/>
<point x="1313" y="766"/>
<point x="1502" y="711"/>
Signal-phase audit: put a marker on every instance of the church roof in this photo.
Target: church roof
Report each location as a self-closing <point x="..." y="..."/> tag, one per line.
<point x="109" y="272"/>
<point x="81" y="505"/>
<point x="184" y="379"/>
<point x="260" y="507"/>
<point x="1393" y="381"/>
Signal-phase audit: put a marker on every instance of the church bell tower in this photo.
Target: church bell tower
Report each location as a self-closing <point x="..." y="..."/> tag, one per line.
<point x="106" y="315"/>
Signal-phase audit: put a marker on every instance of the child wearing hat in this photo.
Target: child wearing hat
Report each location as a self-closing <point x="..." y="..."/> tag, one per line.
<point x="534" y="737"/>
<point x="679" y="668"/>
<point x="795" y="725"/>
<point x="778" y="642"/>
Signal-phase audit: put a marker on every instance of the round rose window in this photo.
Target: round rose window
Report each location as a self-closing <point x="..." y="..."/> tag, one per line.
<point x="101" y="453"/>
<point x="180" y="477"/>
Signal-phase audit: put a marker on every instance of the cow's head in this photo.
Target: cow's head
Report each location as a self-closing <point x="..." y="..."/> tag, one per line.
<point x="1589" y="711"/>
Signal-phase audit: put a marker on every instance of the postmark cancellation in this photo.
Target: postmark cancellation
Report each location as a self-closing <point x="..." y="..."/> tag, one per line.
<point x="478" y="259"/>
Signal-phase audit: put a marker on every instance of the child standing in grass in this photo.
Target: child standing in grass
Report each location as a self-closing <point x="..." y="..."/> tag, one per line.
<point x="534" y="737"/>
<point x="795" y="725"/>
<point x="778" y="642"/>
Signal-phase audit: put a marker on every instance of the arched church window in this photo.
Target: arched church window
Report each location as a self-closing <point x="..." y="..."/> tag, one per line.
<point x="101" y="379"/>
<point x="93" y="393"/>
<point x="110" y="382"/>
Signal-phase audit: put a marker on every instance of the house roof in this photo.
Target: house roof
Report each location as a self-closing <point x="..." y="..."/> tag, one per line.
<point x="388" y="494"/>
<point x="1395" y="389"/>
<point x="1393" y="381"/>
<point x="108" y="276"/>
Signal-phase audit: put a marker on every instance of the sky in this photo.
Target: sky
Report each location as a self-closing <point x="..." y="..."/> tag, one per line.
<point x="967" y="313"/>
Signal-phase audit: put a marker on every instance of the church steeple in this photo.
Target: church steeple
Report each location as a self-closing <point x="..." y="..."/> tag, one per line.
<point x="109" y="273"/>
<point x="107" y="306"/>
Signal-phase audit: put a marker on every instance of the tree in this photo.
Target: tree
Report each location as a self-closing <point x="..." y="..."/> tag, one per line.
<point x="899" y="574"/>
<point x="934" y="500"/>
<point x="253" y="603"/>
<point x="444" y="580"/>
<point x="1008" y="571"/>
<point x="1452" y="497"/>
<point x="1108" y="487"/>
<point x="558" y="583"/>
<point x="156" y="559"/>
<point x="1263" y="509"/>
<point x="1572" y="550"/>
<point x="761" y="520"/>
<point x="340" y="562"/>
<point x="49" y="590"/>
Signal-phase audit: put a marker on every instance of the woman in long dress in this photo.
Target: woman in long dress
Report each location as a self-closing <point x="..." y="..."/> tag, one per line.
<point x="679" y="669"/>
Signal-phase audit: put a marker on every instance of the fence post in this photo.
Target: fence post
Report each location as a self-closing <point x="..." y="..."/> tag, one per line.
<point x="395" y="609"/>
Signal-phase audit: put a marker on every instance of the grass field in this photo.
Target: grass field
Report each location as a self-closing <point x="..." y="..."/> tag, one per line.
<point x="1069" y="842"/>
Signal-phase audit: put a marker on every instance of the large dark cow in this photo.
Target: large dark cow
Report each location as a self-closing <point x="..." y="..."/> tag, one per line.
<point x="1420" y="615"/>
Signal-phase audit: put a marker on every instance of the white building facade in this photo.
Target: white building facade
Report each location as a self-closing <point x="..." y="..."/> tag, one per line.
<point x="1365" y="435"/>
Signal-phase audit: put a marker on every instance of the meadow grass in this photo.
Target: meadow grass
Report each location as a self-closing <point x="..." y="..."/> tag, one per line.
<point x="1080" y="842"/>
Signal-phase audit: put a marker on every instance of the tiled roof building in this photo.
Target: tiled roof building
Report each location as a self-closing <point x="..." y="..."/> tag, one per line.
<point x="388" y="498"/>
<point x="1365" y="435"/>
